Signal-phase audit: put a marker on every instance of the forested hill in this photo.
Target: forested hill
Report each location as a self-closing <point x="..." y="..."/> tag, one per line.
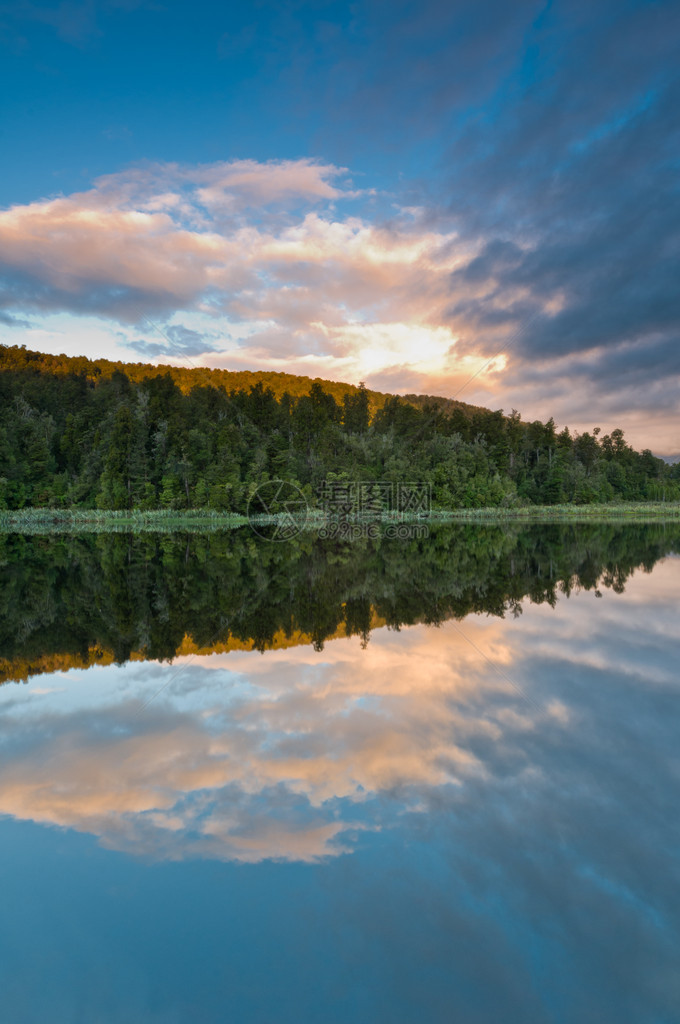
<point x="76" y="433"/>
<point x="188" y="377"/>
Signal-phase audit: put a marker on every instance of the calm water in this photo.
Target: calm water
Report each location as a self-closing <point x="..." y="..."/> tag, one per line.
<point x="380" y="782"/>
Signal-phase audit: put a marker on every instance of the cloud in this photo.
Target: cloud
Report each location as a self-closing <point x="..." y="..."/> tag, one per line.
<point x="399" y="73"/>
<point x="570" y="183"/>
<point x="176" y="340"/>
<point x="248" y="758"/>
<point x="78" y="254"/>
<point x="12" y="321"/>
<point x="227" y="187"/>
<point x="228" y="241"/>
<point x="260" y="184"/>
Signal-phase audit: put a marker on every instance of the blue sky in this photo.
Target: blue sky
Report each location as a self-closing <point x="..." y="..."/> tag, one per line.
<point x="404" y="193"/>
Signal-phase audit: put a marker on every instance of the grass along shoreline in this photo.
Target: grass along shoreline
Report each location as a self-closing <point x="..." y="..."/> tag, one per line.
<point x="50" y="520"/>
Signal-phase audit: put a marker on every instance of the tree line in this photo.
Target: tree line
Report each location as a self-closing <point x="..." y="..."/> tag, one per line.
<point x="148" y="437"/>
<point x="74" y="601"/>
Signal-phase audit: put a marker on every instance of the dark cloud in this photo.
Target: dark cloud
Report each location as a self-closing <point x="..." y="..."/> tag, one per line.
<point x="175" y="340"/>
<point x="12" y="321"/>
<point x="413" y="67"/>
<point x="634" y="366"/>
<point x="571" y="184"/>
<point x="30" y="292"/>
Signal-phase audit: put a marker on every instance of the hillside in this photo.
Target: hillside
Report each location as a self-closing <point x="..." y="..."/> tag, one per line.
<point x="80" y="433"/>
<point x="18" y="358"/>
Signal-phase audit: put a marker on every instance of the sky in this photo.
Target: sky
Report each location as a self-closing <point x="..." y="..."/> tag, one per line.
<point x="471" y="199"/>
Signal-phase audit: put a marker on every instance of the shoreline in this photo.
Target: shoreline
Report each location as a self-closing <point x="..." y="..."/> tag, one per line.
<point x="49" y="520"/>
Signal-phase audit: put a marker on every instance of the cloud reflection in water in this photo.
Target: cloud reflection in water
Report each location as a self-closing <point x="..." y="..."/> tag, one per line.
<point x="297" y="754"/>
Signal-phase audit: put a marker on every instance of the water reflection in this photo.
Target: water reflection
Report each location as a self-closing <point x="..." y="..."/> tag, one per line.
<point x="296" y="753"/>
<point x="77" y="601"/>
<point x="484" y="809"/>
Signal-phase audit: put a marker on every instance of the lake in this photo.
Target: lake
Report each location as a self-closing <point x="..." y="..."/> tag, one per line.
<point x="425" y="780"/>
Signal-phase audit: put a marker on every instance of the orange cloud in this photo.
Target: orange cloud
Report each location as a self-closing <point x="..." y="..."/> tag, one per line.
<point x="342" y="726"/>
<point x="165" y="239"/>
